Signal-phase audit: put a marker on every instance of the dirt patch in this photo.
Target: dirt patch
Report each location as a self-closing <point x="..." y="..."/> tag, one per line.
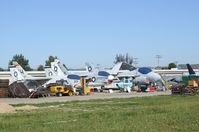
<point x="6" y="108"/>
<point x="26" y="108"/>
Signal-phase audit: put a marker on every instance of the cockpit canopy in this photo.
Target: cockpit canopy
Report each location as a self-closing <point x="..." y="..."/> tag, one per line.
<point x="125" y="66"/>
<point x="144" y="70"/>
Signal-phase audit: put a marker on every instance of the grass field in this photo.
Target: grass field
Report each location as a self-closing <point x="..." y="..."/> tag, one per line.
<point x="160" y="113"/>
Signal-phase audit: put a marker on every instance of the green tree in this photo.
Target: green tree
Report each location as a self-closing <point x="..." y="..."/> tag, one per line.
<point x="172" y="65"/>
<point x="21" y="60"/>
<point x="1" y="69"/>
<point x="123" y="58"/>
<point x="40" y="68"/>
<point x="50" y="59"/>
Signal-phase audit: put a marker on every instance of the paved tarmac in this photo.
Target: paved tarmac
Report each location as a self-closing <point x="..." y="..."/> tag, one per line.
<point x="93" y="96"/>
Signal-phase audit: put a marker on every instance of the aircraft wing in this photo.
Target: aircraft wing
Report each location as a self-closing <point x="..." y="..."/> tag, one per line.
<point x="79" y="73"/>
<point x="127" y="75"/>
<point x="95" y="84"/>
<point x="38" y="78"/>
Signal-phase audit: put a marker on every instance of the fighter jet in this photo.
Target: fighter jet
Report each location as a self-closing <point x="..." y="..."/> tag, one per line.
<point x="142" y="75"/>
<point x="120" y="70"/>
<point x="19" y="74"/>
<point x="60" y="70"/>
<point x="72" y="80"/>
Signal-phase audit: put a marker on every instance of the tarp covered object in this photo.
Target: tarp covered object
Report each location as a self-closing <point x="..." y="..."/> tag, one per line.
<point x="18" y="90"/>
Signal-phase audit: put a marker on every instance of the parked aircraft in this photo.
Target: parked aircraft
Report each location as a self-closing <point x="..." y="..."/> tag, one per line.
<point x="146" y="73"/>
<point x="101" y="77"/>
<point x="185" y="77"/>
<point x="59" y="70"/>
<point x="148" y="76"/>
<point x="57" y="76"/>
<point x="192" y="75"/>
<point x="142" y="75"/>
<point x="120" y="70"/>
<point x="19" y="74"/>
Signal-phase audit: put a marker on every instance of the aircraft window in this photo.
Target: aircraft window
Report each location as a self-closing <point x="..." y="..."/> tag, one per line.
<point x="126" y="66"/>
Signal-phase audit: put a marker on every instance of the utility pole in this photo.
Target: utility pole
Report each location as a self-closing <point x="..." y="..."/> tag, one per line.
<point x="158" y="57"/>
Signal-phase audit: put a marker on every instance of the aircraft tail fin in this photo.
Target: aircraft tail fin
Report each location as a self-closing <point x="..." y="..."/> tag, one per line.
<point x="17" y="72"/>
<point x="90" y="68"/>
<point x="116" y="68"/>
<point x="49" y="72"/>
<point x="58" y="68"/>
<point x="191" y="71"/>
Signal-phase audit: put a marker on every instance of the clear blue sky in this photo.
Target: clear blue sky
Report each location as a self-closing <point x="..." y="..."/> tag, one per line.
<point x="79" y="31"/>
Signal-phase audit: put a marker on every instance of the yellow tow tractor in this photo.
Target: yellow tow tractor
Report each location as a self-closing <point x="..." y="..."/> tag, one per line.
<point x="84" y="89"/>
<point x="61" y="88"/>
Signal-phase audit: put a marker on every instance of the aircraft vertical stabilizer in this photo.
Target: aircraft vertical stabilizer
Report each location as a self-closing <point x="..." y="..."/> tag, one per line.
<point x="191" y="71"/>
<point x="49" y="72"/>
<point x="17" y="72"/>
<point x="57" y="68"/>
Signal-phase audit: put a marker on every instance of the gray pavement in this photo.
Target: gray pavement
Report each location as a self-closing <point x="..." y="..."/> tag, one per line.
<point x="79" y="98"/>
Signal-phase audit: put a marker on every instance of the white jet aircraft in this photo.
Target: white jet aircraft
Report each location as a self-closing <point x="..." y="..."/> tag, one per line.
<point x="19" y="74"/>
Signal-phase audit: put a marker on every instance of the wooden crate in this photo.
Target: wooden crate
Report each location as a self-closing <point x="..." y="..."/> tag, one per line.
<point x="4" y="84"/>
<point x="3" y="92"/>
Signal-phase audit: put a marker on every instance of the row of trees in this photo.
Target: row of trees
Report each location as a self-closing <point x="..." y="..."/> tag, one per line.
<point x="47" y="62"/>
<point x="19" y="58"/>
<point x="124" y="58"/>
<point x="25" y="62"/>
<point x="130" y="60"/>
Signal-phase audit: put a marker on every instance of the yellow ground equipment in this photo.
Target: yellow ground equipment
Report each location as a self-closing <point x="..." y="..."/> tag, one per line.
<point x="190" y="89"/>
<point x="61" y="88"/>
<point x="193" y="83"/>
<point x="84" y="85"/>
